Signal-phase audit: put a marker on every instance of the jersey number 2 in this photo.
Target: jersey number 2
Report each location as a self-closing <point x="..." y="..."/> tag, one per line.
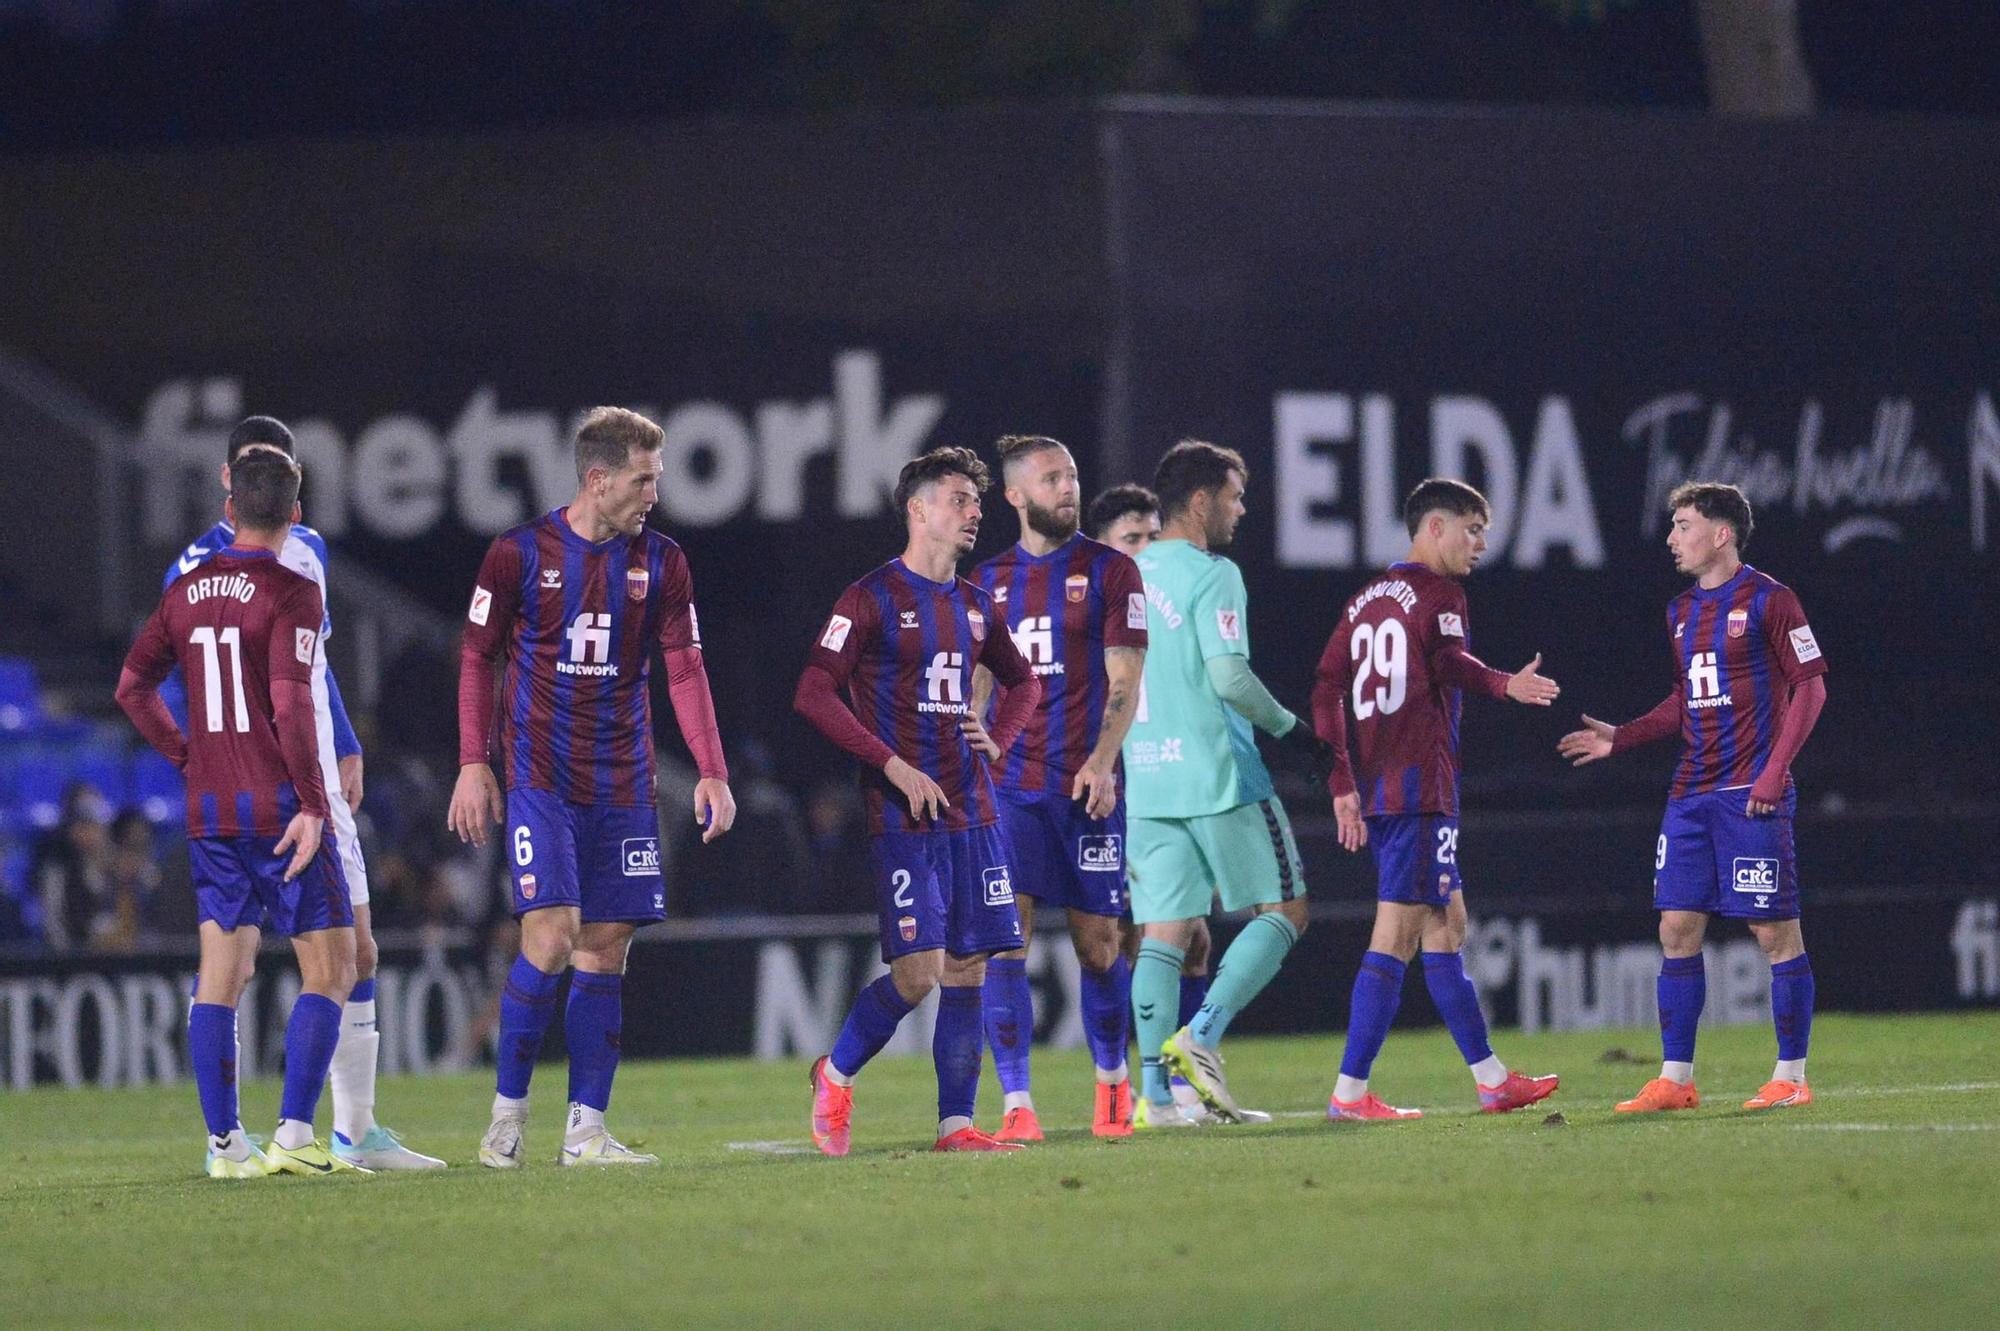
<point x="209" y="641"/>
<point x="1380" y="650"/>
<point x="899" y="884"/>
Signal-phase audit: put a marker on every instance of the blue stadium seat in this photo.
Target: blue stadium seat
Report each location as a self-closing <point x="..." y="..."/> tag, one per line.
<point x="20" y="698"/>
<point x="156" y="787"/>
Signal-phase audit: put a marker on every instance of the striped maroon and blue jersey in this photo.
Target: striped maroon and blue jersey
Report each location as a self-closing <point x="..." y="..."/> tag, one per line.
<point x="904" y="648"/>
<point x="579" y="623"/>
<point x="1739" y="648"/>
<point x="1063" y="610"/>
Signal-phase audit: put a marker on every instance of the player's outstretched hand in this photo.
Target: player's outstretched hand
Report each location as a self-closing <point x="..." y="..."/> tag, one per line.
<point x="1527" y="685"/>
<point x="350" y="781"/>
<point x="1097" y="787"/>
<point x="925" y="796"/>
<point x="975" y="734"/>
<point x="302" y="839"/>
<point x="475" y="804"/>
<point x="714" y="807"/>
<point x="1353" y="827"/>
<point x="1589" y="744"/>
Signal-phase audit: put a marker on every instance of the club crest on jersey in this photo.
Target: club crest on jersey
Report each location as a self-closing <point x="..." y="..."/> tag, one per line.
<point x="978" y="624"/>
<point x="636" y="582"/>
<point x="1739" y="623"/>
<point x="527" y="887"/>
<point x="551" y="579"/>
<point x="906" y="927"/>
<point x="1075" y="587"/>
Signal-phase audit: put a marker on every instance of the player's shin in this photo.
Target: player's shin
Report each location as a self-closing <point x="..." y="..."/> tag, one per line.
<point x="955" y="1049"/>
<point x="1107" y="996"/>
<point x="1792" y="995"/>
<point x="1194" y="992"/>
<point x="1378" y="992"/>
<point x="1155" y="990"/>
<point x="1458" y="1003"/>
<point x="527" y="1002"/>
<point x="1683" y="990"/>
<point x="212" y="1052"/>
<point x="352" y="1075"/>
<point x="1008" y="1004"/>
<point x="591" y="1028"/>
<point x="309" y="1041"/>
<point x="876" y="1013"/>
<point x="1249" y="964"/>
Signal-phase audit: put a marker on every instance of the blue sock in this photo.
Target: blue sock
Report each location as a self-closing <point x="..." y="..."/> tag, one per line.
<point x="1154" y="979"/>
<point x="1378" y="992"/>
<point x="1458" y="1003"/>
<point x="955" y="1049"/>
<point x="870" y="1022"/>
<point x="1009" y="1006"/>
<point x="1107" y="997"/>
<point x="591" y="1025"/>
<point x="1194" y="992"/>
<point x="1250" y="963"/>
<point x="309" y="1040"/>
<point x="364" y="991"/>
<point x="1792" y="1005"/>
<point x="212" y="1051"/>
<point x="527" y="1001"/>
<point x="1683" y="989"/>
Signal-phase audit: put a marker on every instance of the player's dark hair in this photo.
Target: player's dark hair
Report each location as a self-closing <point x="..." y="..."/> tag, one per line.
<point x="1438" y="495"/>
<point x="1013" y="448"/>
<point x="1190" y="467"/>
<point x="1718" y="503"/>
<point x="608" y="437"/>
<point x="263" y="485"/>
<point x="261" y="430"/>
<point x="934" y="465"/>
<point x="1115" y="503"/>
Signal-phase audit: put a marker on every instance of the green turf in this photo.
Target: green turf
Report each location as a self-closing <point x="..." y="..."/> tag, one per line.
<point x="1874" y="1207"/>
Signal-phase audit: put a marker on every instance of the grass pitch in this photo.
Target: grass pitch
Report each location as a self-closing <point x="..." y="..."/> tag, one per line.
<point x="1874" y="1207"/>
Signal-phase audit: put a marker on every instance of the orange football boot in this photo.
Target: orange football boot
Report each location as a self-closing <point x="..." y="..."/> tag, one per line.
<point x="1517" y="1092"/>
<point x="972" y="1139"/>
<point x="1019" y="1125"/>
<point x="1778" y="1094"/>
<point x="1370" y="1108"/>
<point x="1660" y="1094"/>
<point x="1113" y="1115"/>
<point x="831" y="1107"/>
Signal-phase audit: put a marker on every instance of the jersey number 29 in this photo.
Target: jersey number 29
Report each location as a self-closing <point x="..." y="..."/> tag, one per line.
<point x="1380" y="651"/>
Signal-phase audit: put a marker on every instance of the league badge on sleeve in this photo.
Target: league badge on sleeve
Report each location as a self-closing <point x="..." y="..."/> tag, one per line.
<point x="1804" y="647"/>
<point x="303" y="643"/>
<point x="1451" y="625"/>
<point x="1135" y="610"/>
<point x="835" y="636"/>
<point x="482" y="606"/>
<point x="636" y="582"/>
<point x="1229" y="625"/>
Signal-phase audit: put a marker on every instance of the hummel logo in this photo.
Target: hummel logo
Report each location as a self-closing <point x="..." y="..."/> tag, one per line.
<point x="551" y="578"/>
<point x="191" y="561"/>
<point x="909" y="619"/>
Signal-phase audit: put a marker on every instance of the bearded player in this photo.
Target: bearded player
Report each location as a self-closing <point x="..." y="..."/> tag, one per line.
<point x="1399" y="656"/>
<point x="1749" y="687"/>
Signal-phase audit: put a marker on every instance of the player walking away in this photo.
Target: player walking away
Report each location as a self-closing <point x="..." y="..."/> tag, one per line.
<point x="576" y="602"/>
<point x="1127" y="518"/>
<point x="357" y="1137"/>
<point x="1750" y="688"/>
<point x="1204" y="816"/>
<point x="903" y="642"/>
<point x="245" y="631"/>
<point x="1400" y="657"/>
<point x="1077" y="611"/>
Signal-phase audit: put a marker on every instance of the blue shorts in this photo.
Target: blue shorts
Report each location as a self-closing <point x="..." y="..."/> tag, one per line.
<point x="1717" y="859"/>
<point x="1416" y="857"/>
<point x="950" y="890"/>
<point x="1063" y="857"/>
<point x="603" y="858"/>
<point x="238" y="882"/>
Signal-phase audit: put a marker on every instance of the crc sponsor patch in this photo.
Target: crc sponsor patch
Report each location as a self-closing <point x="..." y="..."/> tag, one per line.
<point x="1101" y="854"/>
<point x="999" y="886"/>
<point x="1755" y="875"/>
<point x="641" y="856"/>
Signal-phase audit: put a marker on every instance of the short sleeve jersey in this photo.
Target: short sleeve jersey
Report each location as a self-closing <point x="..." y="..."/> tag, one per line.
<point x="904" y="648"/>
<point x="1739" y="649"/>
<point x="1386" y="647"/>
<point x="1189" y="753"/>
<point x="579" y="623"/>
<point x="232" y="627"/>
<point x="1063" y="609"/>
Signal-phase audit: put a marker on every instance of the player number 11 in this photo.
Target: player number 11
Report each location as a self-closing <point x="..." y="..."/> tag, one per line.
<point x="208" y="640"/>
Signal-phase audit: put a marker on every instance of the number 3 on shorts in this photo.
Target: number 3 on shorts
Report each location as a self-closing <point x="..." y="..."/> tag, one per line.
<point x="899" y="882"/>
<point x="524" y="850"/>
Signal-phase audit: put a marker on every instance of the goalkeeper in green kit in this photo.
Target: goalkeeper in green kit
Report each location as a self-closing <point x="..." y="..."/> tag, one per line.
<point x="1203" y="816"/>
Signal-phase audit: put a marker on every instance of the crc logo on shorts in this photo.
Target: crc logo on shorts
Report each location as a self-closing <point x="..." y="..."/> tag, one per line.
<point x="642" y="856"/>
<point x="527" y="887"/>
<point x="1101" y="854"/>
<point x="1755" y="875"/>
<point x="907" y="928"/>
<point x="999" y="886"/>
